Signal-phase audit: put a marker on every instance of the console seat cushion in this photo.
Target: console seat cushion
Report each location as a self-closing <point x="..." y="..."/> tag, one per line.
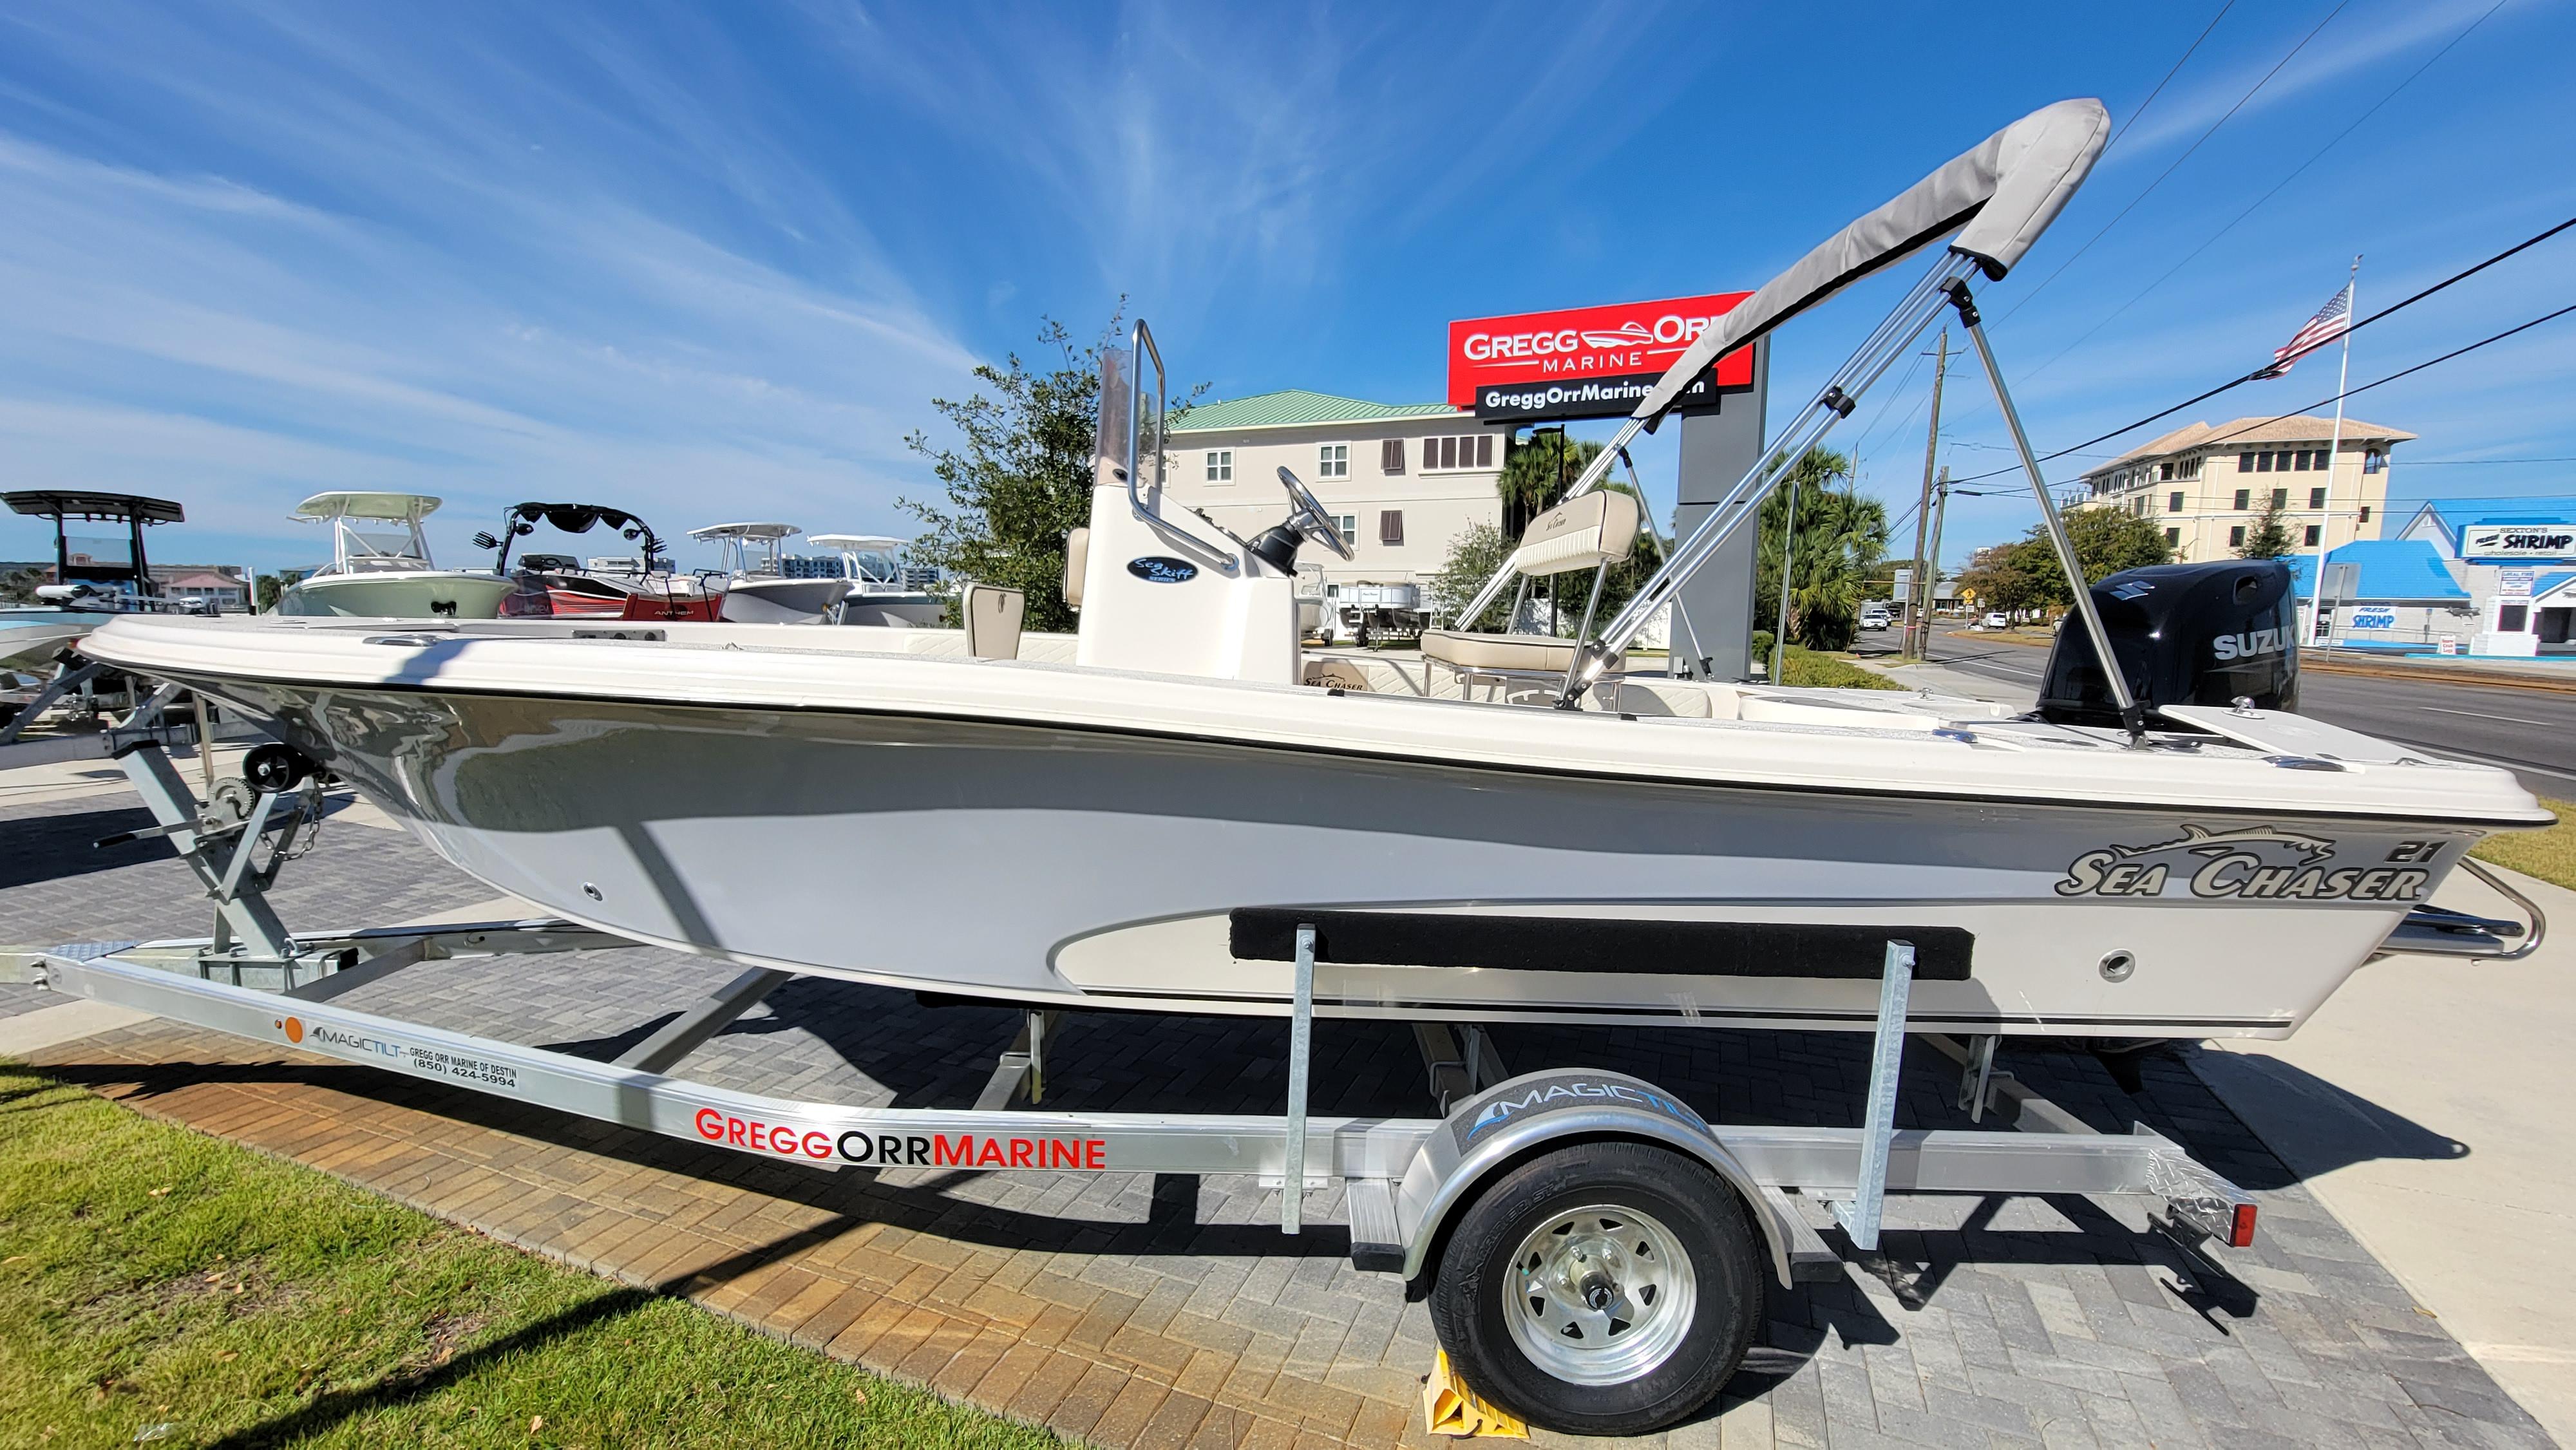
<point x="1464" y="650"/>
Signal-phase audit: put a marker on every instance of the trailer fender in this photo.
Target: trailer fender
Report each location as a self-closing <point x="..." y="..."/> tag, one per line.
<point x="1503" y="1123"/>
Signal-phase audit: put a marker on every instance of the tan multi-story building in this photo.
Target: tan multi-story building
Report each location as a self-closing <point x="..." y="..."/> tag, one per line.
<point x="1402" y="480"/>
<point x="2207" y="486"/>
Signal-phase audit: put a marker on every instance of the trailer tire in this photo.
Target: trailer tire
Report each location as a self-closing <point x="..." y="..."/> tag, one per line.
<point x="1649" y="1278"/>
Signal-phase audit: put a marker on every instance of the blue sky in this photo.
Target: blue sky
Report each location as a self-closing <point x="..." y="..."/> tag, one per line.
<point x="713" y="261"/>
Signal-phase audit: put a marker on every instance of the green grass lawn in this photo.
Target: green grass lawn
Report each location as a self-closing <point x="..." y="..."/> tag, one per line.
<point x="1809" y="667"/>
<point x="2548" y="854"/>
<point x="162" y="1287"/>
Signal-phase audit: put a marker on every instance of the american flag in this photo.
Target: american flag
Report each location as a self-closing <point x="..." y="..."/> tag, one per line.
<point x="2329" y="323"/>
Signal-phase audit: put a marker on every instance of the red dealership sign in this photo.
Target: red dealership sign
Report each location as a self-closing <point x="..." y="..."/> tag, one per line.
<point x="1586" y="362"/>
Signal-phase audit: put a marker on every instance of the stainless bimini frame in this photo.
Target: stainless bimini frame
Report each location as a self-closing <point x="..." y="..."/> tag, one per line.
<point x="1998" y="197"/>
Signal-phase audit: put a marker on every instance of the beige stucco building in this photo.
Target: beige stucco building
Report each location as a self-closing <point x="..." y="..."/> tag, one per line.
<point x="2206" y="486"/>
<point x="1403" y="480"/>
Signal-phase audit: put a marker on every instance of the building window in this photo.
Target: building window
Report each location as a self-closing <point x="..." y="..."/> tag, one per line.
<point x="2173" y="502"/>
<point x="2244" y="463"/>
<point x="2190" y="468"/>
<point x="1473" y="450"/>
<point x="2236" y="537"/>
<point x="2512" y="618"/>
<point x="2373" y="461"/>
<point x="2313" y="533"/>
<point x="1349" y="524"/>
<point x="1333" y="460"/>
<point x="2280" y="498"/>
<point x="1390" y="456"/>
<point x="2262" y="463"/>
<point x="2173" y="536"/>
<point x="2316" y="498"/>
<point x="2242" y="495"/>
<point x="1390" y="526"/>
<point x="1220" y="465"/>
<point x="2365" y="513"/>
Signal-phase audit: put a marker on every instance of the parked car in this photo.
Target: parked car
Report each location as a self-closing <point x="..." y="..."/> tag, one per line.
<point x="1874" y="618"/>
<point x="1995" y="619"/>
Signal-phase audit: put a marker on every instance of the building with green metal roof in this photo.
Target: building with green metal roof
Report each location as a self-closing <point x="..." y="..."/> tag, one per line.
<point x="1403" y="480"/>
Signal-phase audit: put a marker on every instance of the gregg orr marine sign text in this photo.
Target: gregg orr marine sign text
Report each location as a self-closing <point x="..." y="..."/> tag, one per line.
<point x="1587" y="362"/>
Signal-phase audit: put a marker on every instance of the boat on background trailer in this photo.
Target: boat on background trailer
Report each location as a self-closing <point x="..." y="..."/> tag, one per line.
<point x="755" y="588"/>
<point x="879" y="595"/>
<point x="386" y="572"/>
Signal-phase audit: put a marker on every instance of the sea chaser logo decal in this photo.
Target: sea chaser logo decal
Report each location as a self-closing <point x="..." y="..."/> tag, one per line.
<point x="2256" y="863"/>
<point x="1162" y="569"/>
<point x="2248" y="645"/>
<point x="1568" y="1092"/>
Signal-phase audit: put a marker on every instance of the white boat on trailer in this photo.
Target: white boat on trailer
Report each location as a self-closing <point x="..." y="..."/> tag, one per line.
<point x="1168" y="803"/>
<point x="1187" y="815"/>
<point x="755" y="589"/>
<point x="386" y="573"/>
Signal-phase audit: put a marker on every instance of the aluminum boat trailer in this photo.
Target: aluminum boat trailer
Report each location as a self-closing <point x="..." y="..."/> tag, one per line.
<point x="1592" y="1247"/>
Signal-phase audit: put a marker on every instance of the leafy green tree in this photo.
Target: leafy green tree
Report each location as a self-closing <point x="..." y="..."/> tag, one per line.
<point x="19" y="586"/>
<point x="1841" y="540"/>
<point x="1018" y="480"/>
<point x="270" y="588"/>
<point x="1474" y="555"/>
<point x="2269" y="538"/>
<point x="2025" y="573"/>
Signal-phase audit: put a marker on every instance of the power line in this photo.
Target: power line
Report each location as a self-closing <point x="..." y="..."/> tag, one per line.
<point x="2179" y="160"/>
<point x="2187" y="53"/>
<point x="2333" y="397"/>
<point x="2267" y="369"/>
<point x="2212" y="239"/>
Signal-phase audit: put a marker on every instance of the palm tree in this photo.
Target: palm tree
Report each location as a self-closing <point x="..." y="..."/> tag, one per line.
<point x="1841" y="538"/>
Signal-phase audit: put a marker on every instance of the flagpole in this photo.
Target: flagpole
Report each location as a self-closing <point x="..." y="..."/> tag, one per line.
<point x="2318" y="624"/>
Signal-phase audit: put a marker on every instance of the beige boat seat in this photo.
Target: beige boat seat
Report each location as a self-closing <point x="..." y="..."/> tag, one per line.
<point x="1592" y="532"/>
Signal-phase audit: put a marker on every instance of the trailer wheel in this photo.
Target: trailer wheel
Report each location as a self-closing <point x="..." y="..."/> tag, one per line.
<point x="1605" y="1288"/>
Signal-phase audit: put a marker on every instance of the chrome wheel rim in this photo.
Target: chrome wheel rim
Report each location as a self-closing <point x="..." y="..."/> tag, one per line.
<point x="1599" y="1295"/>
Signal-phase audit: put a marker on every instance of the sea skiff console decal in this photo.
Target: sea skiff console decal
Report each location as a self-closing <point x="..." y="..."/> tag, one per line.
<point x="2252" y="863"/>
<point x="1163" y="569"/>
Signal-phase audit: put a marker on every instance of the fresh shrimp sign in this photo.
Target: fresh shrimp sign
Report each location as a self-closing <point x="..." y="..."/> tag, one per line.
<point x="1587" y="362"/>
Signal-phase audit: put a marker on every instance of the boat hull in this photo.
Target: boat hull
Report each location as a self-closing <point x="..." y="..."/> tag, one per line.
<point x="1105" y="868"/>
<point x="405" y="594"/>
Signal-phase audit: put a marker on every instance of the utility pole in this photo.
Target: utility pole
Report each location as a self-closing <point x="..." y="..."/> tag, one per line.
<point x="1932" y="566"/>
<point x="1931" y="448"/>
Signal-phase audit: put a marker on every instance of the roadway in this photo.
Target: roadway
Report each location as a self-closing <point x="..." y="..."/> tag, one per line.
<point x="2529" y="732"/>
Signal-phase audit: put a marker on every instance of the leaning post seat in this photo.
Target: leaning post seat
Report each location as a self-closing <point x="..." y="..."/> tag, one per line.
<point x="1592" y="532"/>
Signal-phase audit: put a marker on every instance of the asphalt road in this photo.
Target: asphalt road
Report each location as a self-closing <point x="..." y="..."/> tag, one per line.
<point x="2529" y="732"/>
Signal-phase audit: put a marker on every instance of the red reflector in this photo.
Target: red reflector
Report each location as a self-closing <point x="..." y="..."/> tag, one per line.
<point x="2240" y="1230"/>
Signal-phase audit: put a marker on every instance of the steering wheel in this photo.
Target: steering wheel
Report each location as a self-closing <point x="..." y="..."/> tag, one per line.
<point x="1308" y="517"/>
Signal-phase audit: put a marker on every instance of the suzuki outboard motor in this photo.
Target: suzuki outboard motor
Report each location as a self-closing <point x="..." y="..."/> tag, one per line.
<point x="2184" y="634"/>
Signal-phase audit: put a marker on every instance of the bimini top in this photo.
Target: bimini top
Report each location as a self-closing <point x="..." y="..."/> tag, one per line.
<point x="58" y="504"/>
<point x="1998" y="196"/>
<point x="860" y="543"/>
<point x="746" y="531"/>
<point x="402" y="508"/>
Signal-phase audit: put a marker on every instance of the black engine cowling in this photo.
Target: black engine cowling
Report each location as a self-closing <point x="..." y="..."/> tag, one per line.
<point x="2184" y="634"/>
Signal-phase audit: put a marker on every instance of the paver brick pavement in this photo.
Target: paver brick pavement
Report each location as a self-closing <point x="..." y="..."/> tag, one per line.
<point x="1165" y="1310"/>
